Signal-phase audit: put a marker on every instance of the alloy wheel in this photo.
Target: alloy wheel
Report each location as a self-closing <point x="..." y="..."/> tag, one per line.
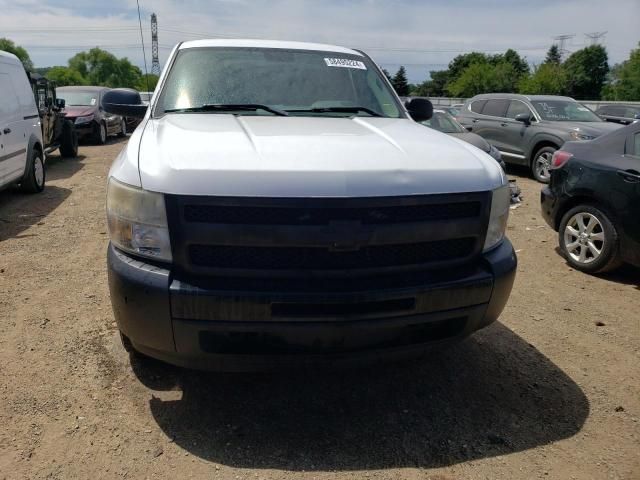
<point x="543" y="165"/>
<point x="584" y="238"/>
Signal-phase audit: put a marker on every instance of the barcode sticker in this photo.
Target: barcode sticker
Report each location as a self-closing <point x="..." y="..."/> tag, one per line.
<point x="345" y="63"/>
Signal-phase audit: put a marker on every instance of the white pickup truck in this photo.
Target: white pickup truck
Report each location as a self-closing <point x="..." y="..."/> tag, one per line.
<point x="279" y="206"/>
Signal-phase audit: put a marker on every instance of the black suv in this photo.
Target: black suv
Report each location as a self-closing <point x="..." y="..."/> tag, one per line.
<point x="528" y="129"/>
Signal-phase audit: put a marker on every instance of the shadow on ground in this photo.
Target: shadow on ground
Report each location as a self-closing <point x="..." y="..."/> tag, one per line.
<point x="19" y="211"/>
<point x="491" y="395"/>
<point x="59" y="168"/>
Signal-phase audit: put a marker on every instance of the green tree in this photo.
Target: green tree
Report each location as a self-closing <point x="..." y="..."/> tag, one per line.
<point x="147" y="82"/>
<point x="553" y="55"/>
<point x="8" y="46"/>
<point x="400" y="83"/>
<point x="387" y="74"/>
<point x="99" y="67"/>
<point x="484" y="78"/>
<point x="587" y="71"/>
<point x="435" y="86"/>
<point x="63" y="76"/>
<point x="460" y="63"/>
<point x="519" y="64"/>
<point x="625" y="79"/>
<point x="547" y="79"/>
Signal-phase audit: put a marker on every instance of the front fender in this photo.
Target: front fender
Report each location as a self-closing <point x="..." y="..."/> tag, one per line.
<point x="543" y="137"/>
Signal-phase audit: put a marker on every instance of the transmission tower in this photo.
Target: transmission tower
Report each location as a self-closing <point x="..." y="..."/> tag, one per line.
<point x="594" y="37"/>
<point x="155" y="63"/>
<point x="562" y="42"/>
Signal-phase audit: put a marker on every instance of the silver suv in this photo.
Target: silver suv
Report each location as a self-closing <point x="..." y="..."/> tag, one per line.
<point x="527" y="129"/>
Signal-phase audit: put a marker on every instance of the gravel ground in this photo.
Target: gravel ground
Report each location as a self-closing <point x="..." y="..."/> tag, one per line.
<point x="552" y="390"/>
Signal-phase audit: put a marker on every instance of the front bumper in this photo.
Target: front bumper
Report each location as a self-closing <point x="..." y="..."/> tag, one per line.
<point x="238" y="329"/>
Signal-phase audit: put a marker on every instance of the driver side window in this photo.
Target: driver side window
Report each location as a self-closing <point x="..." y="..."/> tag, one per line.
<point x="517" y="107"/>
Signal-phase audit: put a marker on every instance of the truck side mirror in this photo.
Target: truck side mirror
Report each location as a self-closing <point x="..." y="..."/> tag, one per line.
<point x="420" y="109"/>
<point x="60" y="103"/>
<point x="124" y="102"/>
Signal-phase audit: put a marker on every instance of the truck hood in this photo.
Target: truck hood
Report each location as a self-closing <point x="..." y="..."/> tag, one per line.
<point x="227" y="155"/>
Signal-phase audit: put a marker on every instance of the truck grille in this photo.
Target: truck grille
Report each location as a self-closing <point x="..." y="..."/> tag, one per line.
<point x="297" y="258"/>
<point x="381" y="215"/>
<point x="226" y="237"/>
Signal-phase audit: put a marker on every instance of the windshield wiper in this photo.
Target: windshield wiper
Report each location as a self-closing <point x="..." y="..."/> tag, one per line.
<point x="229" y="107"/>
<point x="373" y="113"/>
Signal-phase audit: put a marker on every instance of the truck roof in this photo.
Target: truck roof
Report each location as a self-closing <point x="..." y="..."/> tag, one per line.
<point x="253" y="43"/>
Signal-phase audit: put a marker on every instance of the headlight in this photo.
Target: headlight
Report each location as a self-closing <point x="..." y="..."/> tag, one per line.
<point x="576" y="135"/>
<point x="138" y="221"/>
<point x="499" y="215"/>
<point x="85" y="119"/>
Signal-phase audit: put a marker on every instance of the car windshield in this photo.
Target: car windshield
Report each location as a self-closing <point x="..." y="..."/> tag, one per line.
<point x="444" y="123"/>
<point x="78" y="98"/>
<point x="564" y="111"/>
<point x="296" y="82"/>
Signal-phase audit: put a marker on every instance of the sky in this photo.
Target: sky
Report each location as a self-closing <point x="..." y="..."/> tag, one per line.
<point x="421" y="35"/>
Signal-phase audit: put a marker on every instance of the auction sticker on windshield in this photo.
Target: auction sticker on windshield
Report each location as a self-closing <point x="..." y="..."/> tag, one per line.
<point x="345" y="63"/>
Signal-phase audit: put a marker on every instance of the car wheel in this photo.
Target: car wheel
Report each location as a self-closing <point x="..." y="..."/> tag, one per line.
<point x="589" y="239"/>
<point x="34" y="177"/>
<point x="123" y="128"/>
<point x="541" y="164"/>
<point x="100" y="134"/>
<point x="69" y="143"/>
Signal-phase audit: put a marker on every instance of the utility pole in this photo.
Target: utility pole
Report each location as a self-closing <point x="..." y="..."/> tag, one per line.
<point x="594" y="37"/>
<point x="155" y="62"/>
<point x="561" y="40"/>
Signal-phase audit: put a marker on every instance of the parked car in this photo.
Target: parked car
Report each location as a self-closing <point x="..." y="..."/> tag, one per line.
<point x="528" y="129"/>
<point x="296" y="213"/>
<point x="593" y="200"/>
<point x="624" y="114"/>
<point x="445" y="123"/>
<point x="22" y="158"/>
<point x="83" y="106"/>
<point x="58" y="132"/>
<point x="452" y="110"/>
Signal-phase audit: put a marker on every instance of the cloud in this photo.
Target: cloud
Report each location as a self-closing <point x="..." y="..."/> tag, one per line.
<point x="421" y="35"/>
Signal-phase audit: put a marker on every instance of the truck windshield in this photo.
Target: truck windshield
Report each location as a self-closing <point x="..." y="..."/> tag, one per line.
<point x="78" y="98"/>
<point x="564" y="111"/>
<point x="298" y="82"/>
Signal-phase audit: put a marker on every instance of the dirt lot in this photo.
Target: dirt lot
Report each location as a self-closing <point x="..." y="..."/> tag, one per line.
<point x="551" y="391"/>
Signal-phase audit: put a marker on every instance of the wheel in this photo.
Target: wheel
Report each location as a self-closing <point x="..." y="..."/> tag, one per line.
<point x="123" y="128"/>
<point x="69" y="143"/>
<point x="589" y="240"/>
<point x="33" y="180"/>
<point x="541" y="164"/>
<point x="100" y="134"/>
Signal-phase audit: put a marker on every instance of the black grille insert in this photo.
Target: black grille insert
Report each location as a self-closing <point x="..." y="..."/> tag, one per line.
<point x="312" y="258"/>
<point x="276" y="215"/>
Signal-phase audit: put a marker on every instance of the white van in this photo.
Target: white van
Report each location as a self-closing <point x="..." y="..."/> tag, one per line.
<point x="21" y="157"/>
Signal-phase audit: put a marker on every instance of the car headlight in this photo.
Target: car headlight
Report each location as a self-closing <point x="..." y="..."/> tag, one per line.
<point x="500" y="198"/>
<point x="138" y="221"/>
<point x="85" y="119"/>
<point x="577" y="135"/>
